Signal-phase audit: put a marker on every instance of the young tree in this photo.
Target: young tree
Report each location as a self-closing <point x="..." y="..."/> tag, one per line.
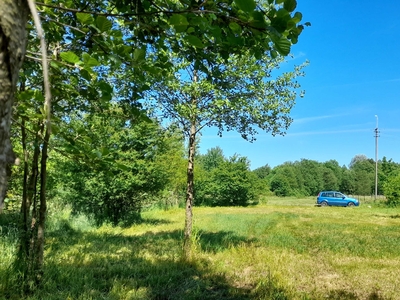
<point x="239" y="93"/>
<point x="122" y="168"/>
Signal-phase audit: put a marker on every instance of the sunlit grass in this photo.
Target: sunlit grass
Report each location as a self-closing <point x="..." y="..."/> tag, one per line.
<point x="279" y="250"/>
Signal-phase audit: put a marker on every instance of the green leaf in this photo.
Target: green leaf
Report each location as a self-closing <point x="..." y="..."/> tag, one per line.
<point x="235" y="27"/>
<point x="104" y="151"/>
<point x="97" y="153"/>
<point x="105" y="87"/>
<point x="194" y="41"/>
<point x="55" y="128"/>
<point x="216" y="32"/>
<point x="290" y="5"/>
<point x="70" y="57"/>
<point x="282" y="45"/>
<point x="103" y="24"/>
<point x="54" y="65"/>
<point x="258" y="19"/>
<point x="179" y="22"/>
<point x="89" y="61"/>
<point x="84" y="18"/>
<point x="246" y="5"/>
<point x="85" y="74"/>
<point x="297" y="17"/>
<point x="139" y="54"/>
<point x="122" y="167"/>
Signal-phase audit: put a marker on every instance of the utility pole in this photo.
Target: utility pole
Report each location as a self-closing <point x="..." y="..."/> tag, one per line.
<point x="376" y="157"/>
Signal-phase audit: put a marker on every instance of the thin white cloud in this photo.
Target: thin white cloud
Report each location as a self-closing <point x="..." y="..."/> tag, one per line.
<point x="316" y="118"/>
<point x="327" y="132"/>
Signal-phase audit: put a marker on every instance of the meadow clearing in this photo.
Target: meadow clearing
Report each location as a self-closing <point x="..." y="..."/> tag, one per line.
<point x="285" y="248"/>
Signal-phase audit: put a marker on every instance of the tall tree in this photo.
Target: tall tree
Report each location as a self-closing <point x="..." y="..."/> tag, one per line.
<point x="262" y="172"/>
<point x="13" y="17"/>
<point x="364" y="174"/>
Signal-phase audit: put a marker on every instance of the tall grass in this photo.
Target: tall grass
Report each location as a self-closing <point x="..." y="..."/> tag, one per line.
<point x="286" y="249"/>
<point x="8" y="244"/>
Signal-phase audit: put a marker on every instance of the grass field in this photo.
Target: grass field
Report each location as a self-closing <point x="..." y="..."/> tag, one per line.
<point x="284" y="249"/>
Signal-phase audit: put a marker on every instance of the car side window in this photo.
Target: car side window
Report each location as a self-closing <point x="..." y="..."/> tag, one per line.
<point x="338" y="195"/>
<point x="329" y="194"/>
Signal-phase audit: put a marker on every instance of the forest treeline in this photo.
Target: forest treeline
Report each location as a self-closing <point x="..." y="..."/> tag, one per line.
<point x="117" y="167"/>
<point x="308" y="177"/>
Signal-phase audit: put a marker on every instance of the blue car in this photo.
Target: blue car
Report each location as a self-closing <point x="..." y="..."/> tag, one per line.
<point x="333" y="198"/>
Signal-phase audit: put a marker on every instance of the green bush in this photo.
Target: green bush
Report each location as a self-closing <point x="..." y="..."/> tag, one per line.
<point x="391" y="190"/>
<point x="230" y="184"/>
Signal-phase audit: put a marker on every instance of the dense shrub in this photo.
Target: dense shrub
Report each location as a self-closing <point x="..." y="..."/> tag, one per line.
<point x="228" y="183"/>
<point x="391" y="190"/>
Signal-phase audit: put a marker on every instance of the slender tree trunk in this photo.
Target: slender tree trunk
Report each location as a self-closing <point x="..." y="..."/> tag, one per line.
<point x="187" y="246"/>
<point x="25" y="205"/>
<point x="26" y="256"/>
<point x="13" y="18"/>
<point x="39" y="255"/>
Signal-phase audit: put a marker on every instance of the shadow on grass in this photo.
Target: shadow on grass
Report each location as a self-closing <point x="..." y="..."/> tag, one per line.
<point x="388" y="216"/>
<point x="217" y="241"/>
<point x="139" y="220"/>
<point x="346" y="295"/>
<point x="8" y="222"/>
<point x="90" y="265"/>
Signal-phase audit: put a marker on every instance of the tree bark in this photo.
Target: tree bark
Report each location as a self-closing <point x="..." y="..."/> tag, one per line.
<point x="42" y="209"/>
<point x="187" y="246"/>
<point x="26" y="256"/>
<point x="187" y="243"/>
<point x="13" y="18"/>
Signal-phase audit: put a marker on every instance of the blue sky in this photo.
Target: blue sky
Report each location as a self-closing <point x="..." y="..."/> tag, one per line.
<point x="354" y="74"/>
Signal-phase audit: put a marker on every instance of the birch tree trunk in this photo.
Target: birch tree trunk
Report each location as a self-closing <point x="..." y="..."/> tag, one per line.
<point x="13" y="18"/>
<point x="187" y="244"/>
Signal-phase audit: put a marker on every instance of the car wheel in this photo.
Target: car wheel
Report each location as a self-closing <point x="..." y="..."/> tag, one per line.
<point x="324" y="203"/>
<point x="350" y="204"/>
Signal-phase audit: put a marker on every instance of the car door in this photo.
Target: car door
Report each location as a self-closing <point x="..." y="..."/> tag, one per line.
<point x="340" y="199"/>
<point x="329" y="197"/>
